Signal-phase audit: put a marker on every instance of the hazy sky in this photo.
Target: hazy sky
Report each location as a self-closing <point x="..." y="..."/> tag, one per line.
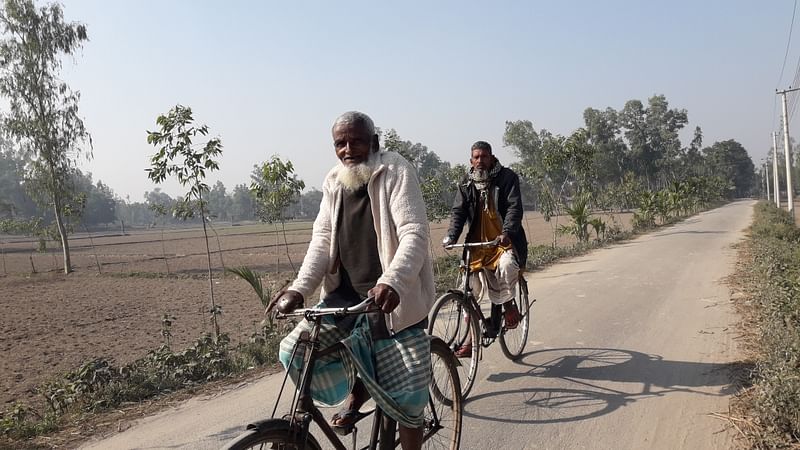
<point x="270" y="77"/>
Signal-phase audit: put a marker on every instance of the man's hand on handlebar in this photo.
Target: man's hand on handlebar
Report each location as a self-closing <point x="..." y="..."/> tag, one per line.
<point x="447" y="241"/>
<point x="503" y="240"/>
<point x="386" y="298"/>
<point x="286" y="302"/>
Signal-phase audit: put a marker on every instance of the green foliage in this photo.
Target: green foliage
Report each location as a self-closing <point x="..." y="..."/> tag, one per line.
<point x="580" y="215"/>
<point x="599" y="227"/>
<point x="21" y="422"/>
<point x="275" y="187"/>
<point x="43" y="115"/>
<point x="775" y="269"/>
<point x="254" y="280"/>
<point x="98" y="386"/>
<point x="446" y="277"/>
<point x="173" y="142"/>
<point x="438" y="179"/>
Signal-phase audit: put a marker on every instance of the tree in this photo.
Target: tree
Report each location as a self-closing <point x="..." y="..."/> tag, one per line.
<point x="174" y="141"/>
<point x="652" y="135"/>
<point x="275" y="187"/>
<point x="729" y="161"/>
<point x="43" y="111"/>
<point x="218" y="201"/>
<point x="242" y="203"/>
<point x="603" y="131"/>
<point x="311" y="200"/>
<point x="14" y="200"/>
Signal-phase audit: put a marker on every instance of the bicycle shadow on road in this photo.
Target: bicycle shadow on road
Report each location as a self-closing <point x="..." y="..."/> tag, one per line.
<point x="572" y="384"/>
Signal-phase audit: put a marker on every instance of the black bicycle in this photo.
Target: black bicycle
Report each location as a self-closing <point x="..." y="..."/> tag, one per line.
<point x="458" y="319"/>
<point x="442" y="416"/>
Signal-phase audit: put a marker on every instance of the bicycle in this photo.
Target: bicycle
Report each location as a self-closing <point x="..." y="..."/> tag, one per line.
<point x="457" y="318"/>
<point x="442" y="416"/>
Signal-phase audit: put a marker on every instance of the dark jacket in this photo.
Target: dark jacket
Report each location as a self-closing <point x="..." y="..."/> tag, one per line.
<point x="507" y="197"/>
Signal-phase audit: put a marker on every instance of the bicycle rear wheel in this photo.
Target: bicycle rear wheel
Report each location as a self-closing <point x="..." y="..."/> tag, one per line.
<point x="442" y="422"/>
<point x="269" y="439"/>
<point x="454" y="323"/>
<point x="513" y="341"/>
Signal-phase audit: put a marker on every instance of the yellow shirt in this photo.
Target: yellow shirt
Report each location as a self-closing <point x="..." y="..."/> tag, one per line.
<point x="486" y="228"/>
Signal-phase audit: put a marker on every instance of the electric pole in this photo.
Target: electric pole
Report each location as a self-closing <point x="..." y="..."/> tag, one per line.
<point x="787" y="151"/>
<point x="766" y="178"/>
<point x="775" y="188"/>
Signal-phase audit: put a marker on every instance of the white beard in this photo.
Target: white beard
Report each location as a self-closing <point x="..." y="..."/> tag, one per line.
<point x="353" y="177"/>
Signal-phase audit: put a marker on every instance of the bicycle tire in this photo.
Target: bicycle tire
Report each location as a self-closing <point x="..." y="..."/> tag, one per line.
<point x="443" y="415"/>
<point x="280" y="438"/>
<point x="513" y="342"/>
<point x="446" y="321"/>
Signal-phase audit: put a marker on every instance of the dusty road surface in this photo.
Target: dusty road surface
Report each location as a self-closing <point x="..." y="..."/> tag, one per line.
<point x="632" y="347"/>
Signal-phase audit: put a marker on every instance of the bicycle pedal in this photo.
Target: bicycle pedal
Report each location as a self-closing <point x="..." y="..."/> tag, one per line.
<point x="344" y="430"/>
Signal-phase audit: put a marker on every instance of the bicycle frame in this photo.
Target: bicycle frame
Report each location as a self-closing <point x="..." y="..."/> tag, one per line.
<point x="303" y="410"/>
<point x="470" y="302"/>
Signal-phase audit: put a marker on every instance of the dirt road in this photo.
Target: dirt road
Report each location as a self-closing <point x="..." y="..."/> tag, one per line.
<point x="632" y="348"/>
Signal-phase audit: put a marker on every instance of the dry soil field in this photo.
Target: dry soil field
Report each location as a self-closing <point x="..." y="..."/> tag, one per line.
<point x="54" y="322"/>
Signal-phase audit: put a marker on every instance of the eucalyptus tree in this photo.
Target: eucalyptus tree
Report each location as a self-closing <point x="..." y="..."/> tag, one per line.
<point x="652" y="136"/>
<point x="242" y="203"/>
<point x="729" y="161"/>
<point x="43" y="111"/>
<point x="219" y="202"/>
<point x="177" y="155"/>
<point x="611" y="161"/>
<point x="526" y="144"/>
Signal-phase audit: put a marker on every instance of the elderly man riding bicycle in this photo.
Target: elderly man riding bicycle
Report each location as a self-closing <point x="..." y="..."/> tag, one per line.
<point x="370" y="238"/>
<point x="489" y="200"/>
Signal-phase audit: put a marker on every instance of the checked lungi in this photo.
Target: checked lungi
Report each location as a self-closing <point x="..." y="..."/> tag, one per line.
<point x="397" y="381"/>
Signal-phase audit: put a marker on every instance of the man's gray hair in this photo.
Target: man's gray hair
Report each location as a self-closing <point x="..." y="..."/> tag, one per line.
<point x="356" y="117"/>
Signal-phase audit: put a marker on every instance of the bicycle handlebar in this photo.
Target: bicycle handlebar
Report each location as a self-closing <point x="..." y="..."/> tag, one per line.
<point x="359" y="308"/>
<point x="493" y="243"/>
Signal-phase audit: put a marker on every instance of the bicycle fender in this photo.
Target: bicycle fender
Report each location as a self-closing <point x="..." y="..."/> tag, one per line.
<point x="270" y="424"/>
<point x="455" y="291"/>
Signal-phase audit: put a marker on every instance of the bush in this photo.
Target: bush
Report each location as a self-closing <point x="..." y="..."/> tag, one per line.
<point x="775" y="406"/>
<point x="98" y="386"/>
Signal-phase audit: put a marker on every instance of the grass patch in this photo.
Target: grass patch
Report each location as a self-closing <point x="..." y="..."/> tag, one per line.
<point x="768" y="412"/>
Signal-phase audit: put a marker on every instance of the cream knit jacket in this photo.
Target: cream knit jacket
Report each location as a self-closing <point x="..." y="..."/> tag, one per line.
<point x="401" y="225"/>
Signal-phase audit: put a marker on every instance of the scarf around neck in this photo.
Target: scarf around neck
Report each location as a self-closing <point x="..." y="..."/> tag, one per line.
<point x="482" y="183"/>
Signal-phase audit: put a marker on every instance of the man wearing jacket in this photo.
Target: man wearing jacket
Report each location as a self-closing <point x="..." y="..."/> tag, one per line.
<point x="370" y="238"/>
<point x="489" y="202"/>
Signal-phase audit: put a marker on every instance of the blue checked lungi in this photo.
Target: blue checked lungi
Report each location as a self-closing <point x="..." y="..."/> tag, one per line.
<point x="397" y="380"/>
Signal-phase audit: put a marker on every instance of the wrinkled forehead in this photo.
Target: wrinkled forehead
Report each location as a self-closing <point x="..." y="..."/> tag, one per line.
<point x="354" y="128"/>
<point x="480" y="153"/>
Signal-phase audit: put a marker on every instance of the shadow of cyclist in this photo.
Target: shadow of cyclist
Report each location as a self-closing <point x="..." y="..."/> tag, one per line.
<point x="580" y="383"/>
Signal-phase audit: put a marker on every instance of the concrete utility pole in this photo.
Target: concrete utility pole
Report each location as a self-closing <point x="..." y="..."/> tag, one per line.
<point x="775" y="187"/>
<point x="787" y="151"/>
<point x="766" y="178"/>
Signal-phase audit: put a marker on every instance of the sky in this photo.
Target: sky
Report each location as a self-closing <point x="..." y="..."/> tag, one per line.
<point x="269" y="78"/>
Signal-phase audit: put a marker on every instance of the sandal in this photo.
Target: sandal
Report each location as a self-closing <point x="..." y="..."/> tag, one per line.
<point x="465" y="351"/>
<point x="348" y="419"/>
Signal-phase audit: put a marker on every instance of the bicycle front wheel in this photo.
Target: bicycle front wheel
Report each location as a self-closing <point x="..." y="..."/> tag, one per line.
<point x="269" y="439"/>
<point x="442" y="422"/>
<point x="453" y="322"/>
<point x="513" y="341"/>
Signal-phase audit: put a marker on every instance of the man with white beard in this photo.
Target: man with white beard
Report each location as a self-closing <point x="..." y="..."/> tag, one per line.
<point x="489" y="200"/>
<point x="370" y="238"/>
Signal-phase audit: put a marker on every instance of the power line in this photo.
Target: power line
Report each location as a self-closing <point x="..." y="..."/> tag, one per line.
<point x="788" y="44"/>
<point x="785" y="58"/>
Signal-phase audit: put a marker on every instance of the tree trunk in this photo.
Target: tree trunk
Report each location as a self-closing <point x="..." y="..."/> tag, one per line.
<point x="62" y="231"/>
<point x="210" y="277"/>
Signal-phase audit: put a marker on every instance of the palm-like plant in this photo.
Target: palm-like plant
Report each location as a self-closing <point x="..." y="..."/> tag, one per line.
<point x="580" y="217"/>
